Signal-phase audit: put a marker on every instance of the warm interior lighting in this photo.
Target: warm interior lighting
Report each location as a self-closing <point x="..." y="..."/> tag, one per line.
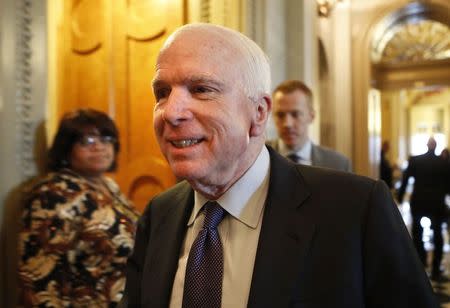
<point x="324" y="7"/>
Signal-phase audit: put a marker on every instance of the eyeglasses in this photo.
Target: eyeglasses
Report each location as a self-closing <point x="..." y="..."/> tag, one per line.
<point x="90" y="140"/>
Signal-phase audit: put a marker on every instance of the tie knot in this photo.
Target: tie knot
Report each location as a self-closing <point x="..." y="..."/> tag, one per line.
<point x="214" y="214"/>
<point x="294" y="157"/>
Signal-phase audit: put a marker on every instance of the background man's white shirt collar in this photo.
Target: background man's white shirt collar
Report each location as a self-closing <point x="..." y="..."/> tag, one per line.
<point x="304" y="152"/>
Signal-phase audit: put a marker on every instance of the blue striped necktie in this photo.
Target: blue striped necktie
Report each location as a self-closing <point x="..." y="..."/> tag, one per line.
<point x="204" y="269"/>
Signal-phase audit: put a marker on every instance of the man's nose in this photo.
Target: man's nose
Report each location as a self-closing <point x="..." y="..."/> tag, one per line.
<point x="288" y="120"/>
<point x="177" y="107"/>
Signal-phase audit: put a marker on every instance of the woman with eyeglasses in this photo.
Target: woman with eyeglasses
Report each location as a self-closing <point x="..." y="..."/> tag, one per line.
<point x="78" y="228"/>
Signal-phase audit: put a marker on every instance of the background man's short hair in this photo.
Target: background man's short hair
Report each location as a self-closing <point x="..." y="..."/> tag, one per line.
<point x="289" y="86"/>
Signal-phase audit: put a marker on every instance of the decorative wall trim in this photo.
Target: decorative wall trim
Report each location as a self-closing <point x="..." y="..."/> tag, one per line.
<point x="25" y="126"/>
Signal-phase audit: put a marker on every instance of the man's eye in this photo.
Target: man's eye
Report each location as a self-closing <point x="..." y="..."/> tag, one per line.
<point x="296" y="114"/>
<point x="200" y="89"/>
<point x="161" y="93"/>
<point x="280" y="115"/>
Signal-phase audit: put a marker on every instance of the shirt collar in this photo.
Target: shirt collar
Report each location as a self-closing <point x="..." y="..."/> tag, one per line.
<point x="244" y="200"/>
<point x="304" y="152"/>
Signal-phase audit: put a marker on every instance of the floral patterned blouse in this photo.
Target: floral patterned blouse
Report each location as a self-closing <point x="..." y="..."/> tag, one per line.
<point x="74" y="243"/>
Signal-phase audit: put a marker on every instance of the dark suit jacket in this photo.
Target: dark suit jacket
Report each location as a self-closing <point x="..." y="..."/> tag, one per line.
<point x="322" y="157"/>
<point x="431" y="182"/>
<point x="328" y="239"/>
<point x="385" y="170"/>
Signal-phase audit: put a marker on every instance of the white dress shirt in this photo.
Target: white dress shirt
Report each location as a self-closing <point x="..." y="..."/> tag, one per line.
<point x="239" y="233"/>
<point x="304" y="153"/>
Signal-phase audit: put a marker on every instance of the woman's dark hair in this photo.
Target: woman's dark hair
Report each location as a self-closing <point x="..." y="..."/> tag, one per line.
<point x="71" y="129"/>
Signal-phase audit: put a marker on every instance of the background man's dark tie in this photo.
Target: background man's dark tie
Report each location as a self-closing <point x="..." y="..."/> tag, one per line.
<point x="294" y="157"/>
<point x="204" y="269"/>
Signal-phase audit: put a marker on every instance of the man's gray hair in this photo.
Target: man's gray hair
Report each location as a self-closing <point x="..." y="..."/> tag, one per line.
<point x="256" y="67"/>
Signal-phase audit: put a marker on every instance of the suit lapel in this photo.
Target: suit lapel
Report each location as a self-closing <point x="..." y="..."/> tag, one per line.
<point x="285" y="236"/>
<point x="166" y="240"/>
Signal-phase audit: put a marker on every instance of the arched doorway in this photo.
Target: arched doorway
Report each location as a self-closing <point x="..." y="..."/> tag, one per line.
<point x="377" y="25"/>
<point x="410" y="69"/>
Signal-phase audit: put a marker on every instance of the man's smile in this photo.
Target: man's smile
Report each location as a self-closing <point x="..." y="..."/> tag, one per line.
<point x="184" y="143"/>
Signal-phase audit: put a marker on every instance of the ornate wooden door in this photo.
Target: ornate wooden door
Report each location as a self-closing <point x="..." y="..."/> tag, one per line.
<point x="104" y="55"/>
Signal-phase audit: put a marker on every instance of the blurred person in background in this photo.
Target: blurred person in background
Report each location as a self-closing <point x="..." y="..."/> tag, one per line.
<point x="385" y="166"/>
<point x="293" y="113"/>
<point x="78" y="228"/>
<point x="445" y="155"/>
<point x="431" y="177"/>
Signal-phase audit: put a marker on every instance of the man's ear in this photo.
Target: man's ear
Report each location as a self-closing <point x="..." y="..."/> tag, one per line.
<point x="263" y="107"/>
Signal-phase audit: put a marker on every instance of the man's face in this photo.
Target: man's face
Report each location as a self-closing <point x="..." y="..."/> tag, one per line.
<point x="202" y="117"/>
<point x="292" y="116"/>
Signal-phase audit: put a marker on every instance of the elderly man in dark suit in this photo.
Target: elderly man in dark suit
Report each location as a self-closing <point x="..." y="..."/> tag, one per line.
<point x="431" y="183"/>
<point x="248" y="228"/>
<point x="293" y="113"/>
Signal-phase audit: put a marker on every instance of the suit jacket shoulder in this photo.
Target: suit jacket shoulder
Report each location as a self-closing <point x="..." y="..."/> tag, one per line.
<point x="328" y="158"/>
<point x="322" y="157"/>
<point x="316" y="223"/>
<point x="273" y="143"/>
<point x="181" y="192"/>
<point x="326" y="223"/>
<point x="160" y="233"/>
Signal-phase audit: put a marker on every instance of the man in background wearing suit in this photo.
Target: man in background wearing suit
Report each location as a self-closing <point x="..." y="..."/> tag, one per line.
<point x="431" y="183"/>
<point x="248" y="228"/>
<point x="293" y="113"/>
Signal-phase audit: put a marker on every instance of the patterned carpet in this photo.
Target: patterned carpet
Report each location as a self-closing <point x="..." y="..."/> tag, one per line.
<point x="441" y="288"/>
<point x="442" y="291"/>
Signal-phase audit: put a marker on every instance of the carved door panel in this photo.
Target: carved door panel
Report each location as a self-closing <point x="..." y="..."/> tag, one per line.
<point x="106" y="51"/>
